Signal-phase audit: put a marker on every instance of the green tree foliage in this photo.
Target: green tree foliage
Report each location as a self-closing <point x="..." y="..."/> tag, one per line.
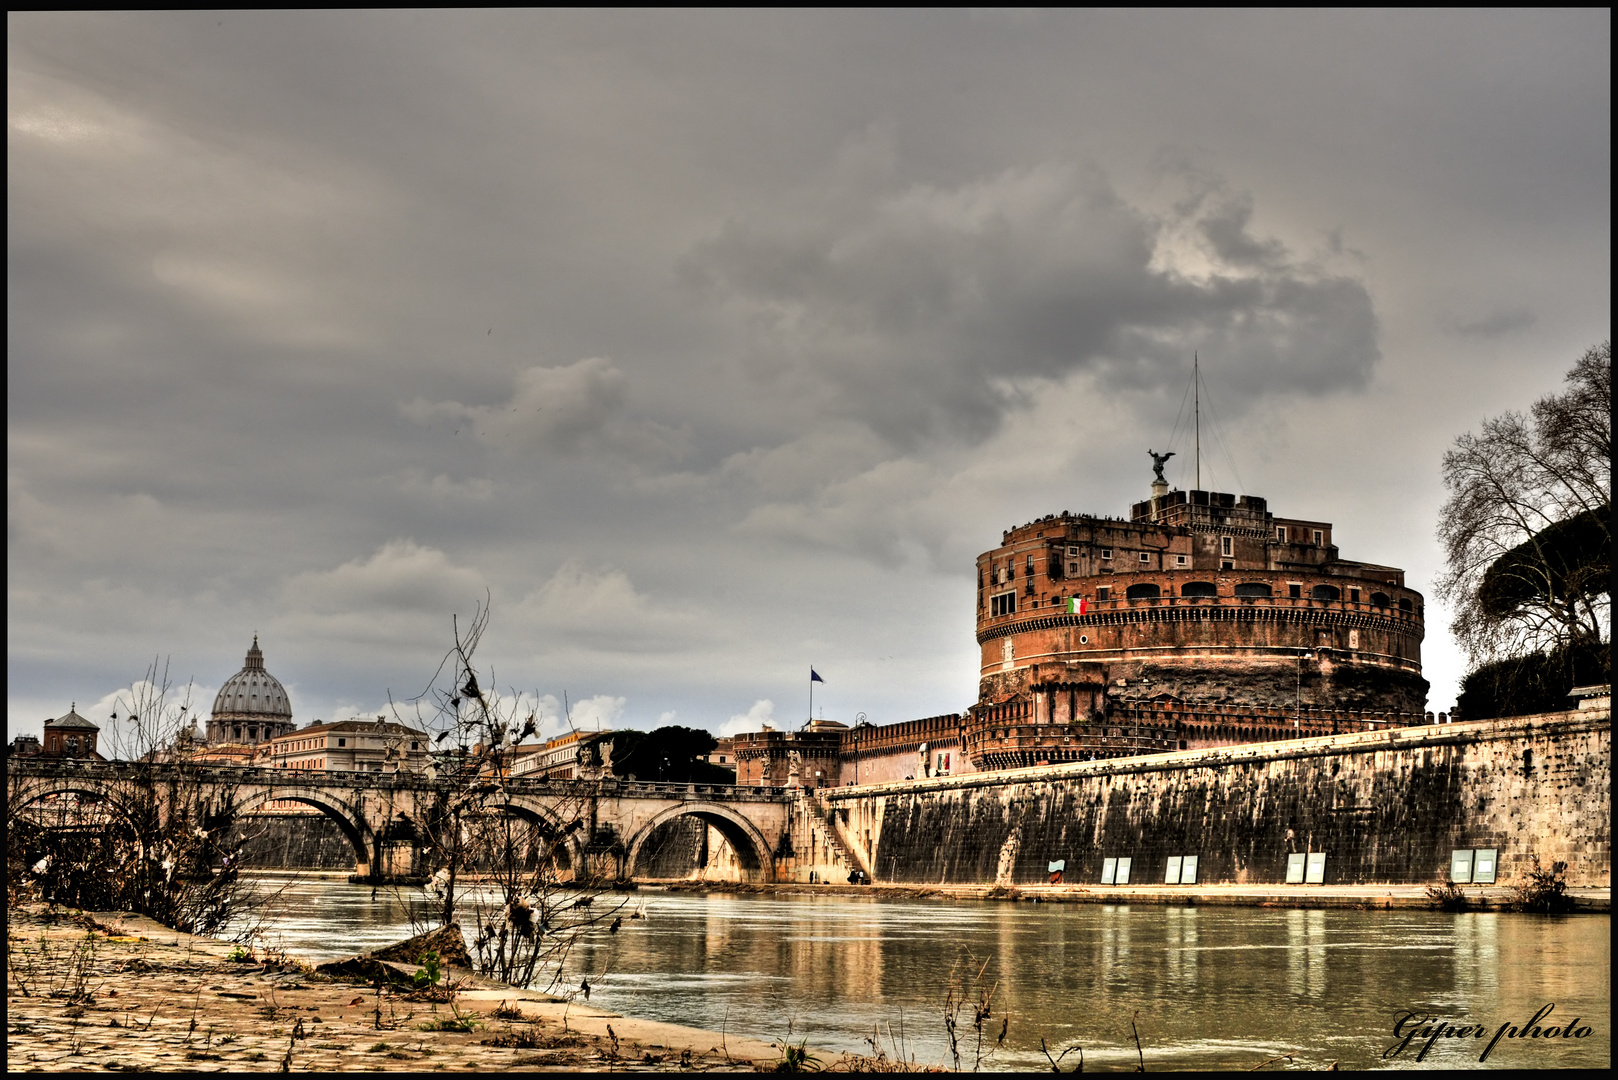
<point x="1536" y="683"/>
<point x="1570" y="559"/>
<point x="1527" y="533"/>
<point x="671" y="755"/>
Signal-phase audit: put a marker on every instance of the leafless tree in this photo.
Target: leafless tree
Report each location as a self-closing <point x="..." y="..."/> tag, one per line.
<point x="510" y="878"/>
<point x="159" y="834"/>
<point x="1527" y="529"/>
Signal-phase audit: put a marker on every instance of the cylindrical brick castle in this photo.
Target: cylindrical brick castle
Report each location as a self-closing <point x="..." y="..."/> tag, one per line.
<point x="1202" y="620"/>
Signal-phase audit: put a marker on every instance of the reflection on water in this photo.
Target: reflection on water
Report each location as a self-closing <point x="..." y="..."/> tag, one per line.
<point x="1207" y="987"/>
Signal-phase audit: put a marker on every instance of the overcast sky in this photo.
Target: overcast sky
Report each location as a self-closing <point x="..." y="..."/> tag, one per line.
<point x="712" y="345"/>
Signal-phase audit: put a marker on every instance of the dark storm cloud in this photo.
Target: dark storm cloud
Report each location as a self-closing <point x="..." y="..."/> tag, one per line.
<point x="923" y="310"/>
<point x="706" y="340"/>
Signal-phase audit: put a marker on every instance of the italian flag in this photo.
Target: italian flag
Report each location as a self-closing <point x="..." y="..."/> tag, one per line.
<point x="1077" y="605"/>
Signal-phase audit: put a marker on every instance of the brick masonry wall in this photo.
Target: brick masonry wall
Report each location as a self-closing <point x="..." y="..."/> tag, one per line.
<point x="1386" y="807"/>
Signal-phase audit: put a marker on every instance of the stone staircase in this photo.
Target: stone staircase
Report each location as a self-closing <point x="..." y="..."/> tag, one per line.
<point x="834" y="832"/>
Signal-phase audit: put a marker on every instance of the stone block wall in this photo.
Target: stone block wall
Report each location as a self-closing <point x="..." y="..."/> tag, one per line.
<point x="295" y="842"/>
<point x="1386" y="807"/>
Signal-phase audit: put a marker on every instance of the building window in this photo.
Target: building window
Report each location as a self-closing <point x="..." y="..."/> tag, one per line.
<point x="1354" y="596"/>
<point x="1106" y="553"/>
<point x="1281" y="533"/>
<point x="1073" y="553"/>
<point x="1319" y="537"/>
<point x="342" y="742"/>
<point x="1103" y="592"/>
<point x="1179" y="560"/>
<point x="1145" y="558"/>
<point x="1073" y="568"/>
<point x="1004" y="604"/>
<point x="1227" y="546"/>
<point x="1030" y="566"/>
<point x="1295" y="590"/>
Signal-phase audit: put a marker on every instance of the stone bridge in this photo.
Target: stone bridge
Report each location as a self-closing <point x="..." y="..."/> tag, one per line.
<point x="382" y="815"/>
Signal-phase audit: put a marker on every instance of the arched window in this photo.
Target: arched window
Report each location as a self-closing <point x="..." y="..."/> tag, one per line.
<point x="1144" y="591"/>
<point x="1325" y="592"/>
<point x="1380" y="599"/>
<point x="1253" y="588"/>
<point x="1406" y="605"/>
<point x="1199" y="588"/>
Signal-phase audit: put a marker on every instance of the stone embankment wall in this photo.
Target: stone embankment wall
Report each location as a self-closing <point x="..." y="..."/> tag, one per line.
<point x="295" y="842"/>
<point x="1385" y="807"/>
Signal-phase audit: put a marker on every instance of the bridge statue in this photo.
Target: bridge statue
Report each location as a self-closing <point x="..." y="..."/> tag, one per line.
<point x="1158" y="461"/>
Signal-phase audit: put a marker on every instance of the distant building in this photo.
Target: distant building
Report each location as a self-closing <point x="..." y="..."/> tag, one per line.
<point x="71" y="736"/>
<point x="809" y="758"/>
<point x="378" y="746"/>
<point x="252" y="707"/>
<point x="24" y="746"/>
<point x="723" y="754"/>
<point x="578" y="755"/>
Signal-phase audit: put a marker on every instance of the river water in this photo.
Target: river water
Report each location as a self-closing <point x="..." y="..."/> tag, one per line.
<point x="1209" y="987"/>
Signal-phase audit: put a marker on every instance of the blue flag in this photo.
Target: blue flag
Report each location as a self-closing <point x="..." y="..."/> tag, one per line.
<point x="814" y="676"/>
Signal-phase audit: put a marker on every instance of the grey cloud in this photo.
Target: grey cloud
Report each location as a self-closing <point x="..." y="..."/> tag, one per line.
<point x="919" y="310"/>
<point x="574" y="409"/>
<point x="1499" y="322"/>
<point x="400" y="577"/>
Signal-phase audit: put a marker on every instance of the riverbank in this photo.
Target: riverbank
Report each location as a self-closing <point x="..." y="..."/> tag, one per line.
<point x="1309" y="897"/>
<point x="1355" y="897"/>
<point x="119" y="992"/>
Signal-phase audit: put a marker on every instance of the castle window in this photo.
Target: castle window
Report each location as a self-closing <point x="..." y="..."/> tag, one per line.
<point x="1103" y="592"/>
<point x="1406" y="605"/>
<point x="1030" y="566"/>
<point x="1072" y="552"/>
<point x="1380" y="599"/>
<point x="1252" y="588"/>
<point x="1354" y="595"/>
<point x="1004" y="604"/>
<point x="1106" y="553"/>
<point x="1319" y="537"/>
<point x="1281" y="533"/>
<point x="1227" y="546"/>
<point x="1199" y="588"/>
<point x="342" y="742"/>
<point x="1325" y="592"/>
<point x="1073" y="568"/>
<point x="1179" y="560"/>
<point x="1145" y="558"/>
<point x="1295" y="589"/>
<point x="1144" y="591"/>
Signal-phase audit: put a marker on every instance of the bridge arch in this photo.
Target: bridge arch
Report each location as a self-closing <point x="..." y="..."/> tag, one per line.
<point x="35" y="789"/>
<point x="750" y="845"/>
<point x="349" y="820"/>
<point x="540" y="812"/>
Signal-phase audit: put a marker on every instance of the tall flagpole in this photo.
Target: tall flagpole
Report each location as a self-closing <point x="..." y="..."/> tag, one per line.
<point x="811" y="693"/>
<point x="1196" y="379"/>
